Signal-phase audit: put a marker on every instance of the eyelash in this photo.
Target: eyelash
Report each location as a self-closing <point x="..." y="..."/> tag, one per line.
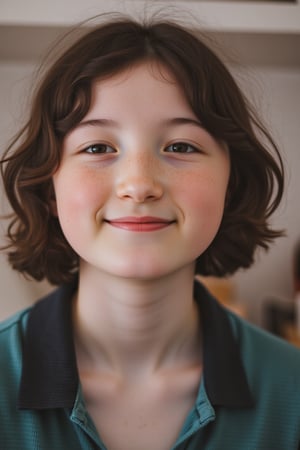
<point x="90" y="149"/>
<point x="182" y="147"/>
<point x="192" y="148"/>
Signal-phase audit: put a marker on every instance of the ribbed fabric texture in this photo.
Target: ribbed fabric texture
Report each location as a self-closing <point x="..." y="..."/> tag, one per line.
<point x="273" y="371"/>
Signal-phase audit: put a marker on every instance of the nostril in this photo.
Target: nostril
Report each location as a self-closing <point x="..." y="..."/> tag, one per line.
<point x="139" y="190"/>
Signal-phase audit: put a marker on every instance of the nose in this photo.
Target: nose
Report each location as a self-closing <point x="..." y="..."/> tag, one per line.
<point x="140" y="181"/>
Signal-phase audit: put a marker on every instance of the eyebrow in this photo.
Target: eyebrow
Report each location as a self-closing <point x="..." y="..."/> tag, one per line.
<point x="97" y="123"/>
<point x="112" y="123"/>
<point x="184" y="121"/>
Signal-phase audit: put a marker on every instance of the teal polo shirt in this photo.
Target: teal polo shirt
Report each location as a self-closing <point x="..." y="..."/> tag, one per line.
<point x="249" y="394"/>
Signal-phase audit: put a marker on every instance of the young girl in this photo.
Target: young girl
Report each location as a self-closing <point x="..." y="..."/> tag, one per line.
<point x="140" y="166"/>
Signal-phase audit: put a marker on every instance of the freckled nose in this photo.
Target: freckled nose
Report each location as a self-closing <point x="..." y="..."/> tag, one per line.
<point x="140" y="183"/>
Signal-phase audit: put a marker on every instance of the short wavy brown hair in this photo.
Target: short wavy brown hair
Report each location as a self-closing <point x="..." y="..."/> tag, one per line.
<point x="36" y="244"/>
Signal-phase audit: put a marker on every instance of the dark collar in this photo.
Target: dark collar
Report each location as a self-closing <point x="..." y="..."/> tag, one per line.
<point x="49" y="372"/>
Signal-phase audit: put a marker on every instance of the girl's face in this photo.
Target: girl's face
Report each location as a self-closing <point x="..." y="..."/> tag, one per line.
<point x="141" y="186"/>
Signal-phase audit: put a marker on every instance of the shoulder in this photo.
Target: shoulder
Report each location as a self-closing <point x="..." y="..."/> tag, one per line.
<point x="272" y="368"/>
<point x="272" y="365"/>
<point x="13" y="326"/>
<point x="260" y="345"/>
<point x="12" y="331"/>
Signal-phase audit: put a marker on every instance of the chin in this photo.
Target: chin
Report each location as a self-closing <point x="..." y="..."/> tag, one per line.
<point x="140" y="271"/>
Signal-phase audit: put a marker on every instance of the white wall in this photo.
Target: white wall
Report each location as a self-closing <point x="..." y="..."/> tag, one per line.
<point x="274" y="84"/>
<point x="271" y="276"/>
<point x="15" y="79"/>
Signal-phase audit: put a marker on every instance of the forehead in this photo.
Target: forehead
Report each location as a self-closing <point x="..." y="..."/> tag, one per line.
<point x="144" y="69"/>
<point x="146" y="87"/>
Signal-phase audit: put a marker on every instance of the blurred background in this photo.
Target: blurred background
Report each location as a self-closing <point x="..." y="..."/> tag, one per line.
<point x="260" y="42"/>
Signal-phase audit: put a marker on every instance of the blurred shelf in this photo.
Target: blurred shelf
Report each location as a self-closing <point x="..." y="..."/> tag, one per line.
<point x="256" y="32"/>
<point x="231" y="16"/>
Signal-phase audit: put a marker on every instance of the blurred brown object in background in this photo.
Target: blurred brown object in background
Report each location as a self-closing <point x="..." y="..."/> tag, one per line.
<point x="223" y="289"/>
<point x="296" y="265"/>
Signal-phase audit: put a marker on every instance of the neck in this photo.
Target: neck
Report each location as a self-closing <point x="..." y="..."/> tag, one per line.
<point x="134" y="328"/>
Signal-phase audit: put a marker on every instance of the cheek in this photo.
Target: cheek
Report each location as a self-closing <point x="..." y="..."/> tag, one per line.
<point x="78" y="191"/>
<point x="202" y="209"/>
<point x="203" y="196"/>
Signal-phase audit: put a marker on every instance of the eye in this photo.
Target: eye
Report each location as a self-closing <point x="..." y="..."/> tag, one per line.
<point x="99" y="149"/>
<point x="181" y="147"/>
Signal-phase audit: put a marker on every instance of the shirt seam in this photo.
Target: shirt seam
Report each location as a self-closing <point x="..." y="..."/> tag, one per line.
<point x="13" y="321"/>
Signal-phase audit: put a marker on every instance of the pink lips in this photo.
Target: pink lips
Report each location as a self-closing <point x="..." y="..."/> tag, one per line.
<point x="145" y="223"/>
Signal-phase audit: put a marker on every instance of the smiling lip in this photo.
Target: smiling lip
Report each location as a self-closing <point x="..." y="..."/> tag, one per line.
<point x="146" y="223"/>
